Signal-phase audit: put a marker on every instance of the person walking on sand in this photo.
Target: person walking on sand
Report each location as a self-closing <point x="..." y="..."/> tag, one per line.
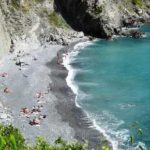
<point x="58" y="59"/>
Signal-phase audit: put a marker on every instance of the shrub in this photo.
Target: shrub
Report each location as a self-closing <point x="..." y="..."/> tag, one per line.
<point x="12" y="139"/>
<point x="137" y="2"/>
<point x="56" y="20"/>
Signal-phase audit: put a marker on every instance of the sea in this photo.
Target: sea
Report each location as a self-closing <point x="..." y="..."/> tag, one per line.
<point x="111" y="80"/>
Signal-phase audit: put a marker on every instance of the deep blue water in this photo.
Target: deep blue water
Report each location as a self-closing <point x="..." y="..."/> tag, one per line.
<point x="113" y="78"/>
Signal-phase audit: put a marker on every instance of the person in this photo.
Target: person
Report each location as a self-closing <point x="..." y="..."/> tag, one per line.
<point x="11" y="47"/>
<point x="4" y="74"/>
<point x="25" y="110"/>
<point x="35" y="121"/>
<point x="7" y="90"/>
<point x="58" y="59"/>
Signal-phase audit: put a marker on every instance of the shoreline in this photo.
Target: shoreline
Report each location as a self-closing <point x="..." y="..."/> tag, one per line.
<point x="77" y="117"/>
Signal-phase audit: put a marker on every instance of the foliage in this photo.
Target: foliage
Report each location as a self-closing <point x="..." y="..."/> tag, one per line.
<point x="56" y="20"/>
<point x="24" y="7"/>
<point x="15" y="4"/>
<point x="39" y="1"/>
<point x="99" y="9"/>
<point x="106" y="148"/>
<point x="12" y="139"/>
<point x="137" y="2"/>
<point x="137" y="132"/>
<point x="60" y="144"/>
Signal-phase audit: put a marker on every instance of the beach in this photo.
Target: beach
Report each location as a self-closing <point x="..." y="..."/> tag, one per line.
<point x="36" y="99"/>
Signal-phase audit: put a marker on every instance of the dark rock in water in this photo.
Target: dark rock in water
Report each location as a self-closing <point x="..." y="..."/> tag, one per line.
<point x="136" y="34"/>
<point x="129" y="22"/>
<point x="132" y="33"/>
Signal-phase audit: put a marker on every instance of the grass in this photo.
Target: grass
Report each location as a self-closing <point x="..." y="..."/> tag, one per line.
<point x="15" y="4"/>
<point x="56" y="20"/>
<point x="24" y="7"/>
<point x="137" y="2"/>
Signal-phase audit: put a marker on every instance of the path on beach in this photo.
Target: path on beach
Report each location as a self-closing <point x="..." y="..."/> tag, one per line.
<point x="25" y="94"/>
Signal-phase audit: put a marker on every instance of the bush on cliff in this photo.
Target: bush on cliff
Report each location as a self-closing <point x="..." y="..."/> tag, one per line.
<point x="12" y="139"/>
<point x="137" y="2"/>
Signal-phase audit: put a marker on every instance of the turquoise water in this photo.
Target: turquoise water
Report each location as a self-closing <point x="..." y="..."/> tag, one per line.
<point x="113" y="79"/>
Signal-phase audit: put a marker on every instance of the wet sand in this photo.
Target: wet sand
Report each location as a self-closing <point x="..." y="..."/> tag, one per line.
<point x="66" y="107"/>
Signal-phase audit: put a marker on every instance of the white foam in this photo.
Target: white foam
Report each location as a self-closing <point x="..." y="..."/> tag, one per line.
<point x="67" y="59"/>
<point x="106" y="125"/>
<point x="82" y="45"/>
<point x="70" y="82"/>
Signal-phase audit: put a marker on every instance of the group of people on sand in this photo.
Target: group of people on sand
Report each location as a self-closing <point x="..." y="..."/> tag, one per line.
<point x="34" y="113"/>
<point x="4" y="75"/>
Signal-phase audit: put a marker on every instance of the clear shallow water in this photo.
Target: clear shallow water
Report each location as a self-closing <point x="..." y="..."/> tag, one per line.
<point x="112" y="79"/>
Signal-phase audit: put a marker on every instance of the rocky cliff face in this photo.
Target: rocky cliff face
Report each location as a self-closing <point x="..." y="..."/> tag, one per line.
<point x="21" y="19"/>
<point x="4" y="36"/>
<point x="103" y="18"/>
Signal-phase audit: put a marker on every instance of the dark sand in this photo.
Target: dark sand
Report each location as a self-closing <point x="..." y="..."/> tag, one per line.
<point x="75" y="116"/>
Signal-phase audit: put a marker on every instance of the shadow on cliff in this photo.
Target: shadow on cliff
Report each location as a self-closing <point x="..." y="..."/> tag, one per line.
<point x="77" y="14"/>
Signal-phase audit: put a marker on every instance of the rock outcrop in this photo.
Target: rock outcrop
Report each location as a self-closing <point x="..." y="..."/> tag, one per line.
<point x="103" y="18"/>
<point x="5" y="41"/>
<point x="53" y="21"/>
<point x="22" y="19"/>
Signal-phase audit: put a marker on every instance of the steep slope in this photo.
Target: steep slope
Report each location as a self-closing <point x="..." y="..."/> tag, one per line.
<point x="103" y="18"/>
<point x="24" y="19"/>
<point x="4" y="37"/>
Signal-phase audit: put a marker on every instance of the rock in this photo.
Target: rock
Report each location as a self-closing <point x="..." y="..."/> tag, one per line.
<point x="101" y="18"/>
<point x="3" y="116"/>
<point x="18" y="63"/>
<point x="136" y="34"/>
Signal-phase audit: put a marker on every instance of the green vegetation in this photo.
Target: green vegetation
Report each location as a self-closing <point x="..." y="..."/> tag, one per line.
<point x="12" y="139"/>
<point x="137" y="2"/>
<point x="15" y="4"/>
<point x="137" y="133"/>
<point x="39" y="1"/>
<point x="56" y="20"/>
<point x="24" y="7"/>
<point x="99" y="9"/>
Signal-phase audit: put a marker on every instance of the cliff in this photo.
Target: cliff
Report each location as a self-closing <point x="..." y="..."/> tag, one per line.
<point x="4" y="36"/>
<point x="36" y="19"/>
<point x="103" y="18"/>
<point x="55" y="21"/>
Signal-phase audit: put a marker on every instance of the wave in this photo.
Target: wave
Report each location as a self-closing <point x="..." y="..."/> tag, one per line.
<point x="71" y="83"/>
<point x="105" y="123"/>
<point x="72" y="72"/>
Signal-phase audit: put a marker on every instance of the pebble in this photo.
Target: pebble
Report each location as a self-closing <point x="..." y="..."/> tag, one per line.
<point x="3" y="116"/>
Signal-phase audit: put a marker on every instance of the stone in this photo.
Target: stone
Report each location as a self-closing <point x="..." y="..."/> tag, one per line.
<point x="3" y="116"/>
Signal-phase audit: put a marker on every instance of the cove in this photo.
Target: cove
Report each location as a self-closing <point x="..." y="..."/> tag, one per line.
<point x="113" y="82"/>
